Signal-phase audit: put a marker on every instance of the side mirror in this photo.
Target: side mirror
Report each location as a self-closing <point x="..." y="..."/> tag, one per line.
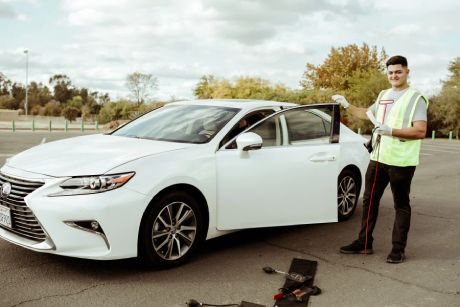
<point x="248" y="141"/>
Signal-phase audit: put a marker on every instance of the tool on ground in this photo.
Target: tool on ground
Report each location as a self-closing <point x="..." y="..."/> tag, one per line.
<point x="291" y="276"/>
<point x="195" y="303"/>
<point x="298" y="294"/>
<point x="295" y="293"/>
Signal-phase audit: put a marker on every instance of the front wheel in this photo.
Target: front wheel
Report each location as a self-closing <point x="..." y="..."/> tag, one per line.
<point x="347" y="194"/>
<point x="171" y="230"/>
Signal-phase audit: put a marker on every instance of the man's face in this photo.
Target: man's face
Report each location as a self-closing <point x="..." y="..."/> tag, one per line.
<point x="397" y="75"/>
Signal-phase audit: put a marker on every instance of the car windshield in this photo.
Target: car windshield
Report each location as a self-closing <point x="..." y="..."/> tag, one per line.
<point x="179" y="123"/>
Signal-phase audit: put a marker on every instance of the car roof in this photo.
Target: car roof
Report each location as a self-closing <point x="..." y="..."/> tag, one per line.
<point x="244" y="104"/>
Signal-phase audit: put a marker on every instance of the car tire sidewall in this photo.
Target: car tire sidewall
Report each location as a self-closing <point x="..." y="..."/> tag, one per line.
<point x="147" y="251"/>
<point x="345" y="174"/>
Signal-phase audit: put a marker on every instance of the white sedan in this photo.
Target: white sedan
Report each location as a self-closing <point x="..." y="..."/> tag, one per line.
<point x="189" y="171"/>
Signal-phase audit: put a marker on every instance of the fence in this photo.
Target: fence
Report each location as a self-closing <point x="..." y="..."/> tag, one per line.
<point x="47" y="123"/>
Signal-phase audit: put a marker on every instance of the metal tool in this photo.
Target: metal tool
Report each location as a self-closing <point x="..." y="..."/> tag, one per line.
<point x="291" y="276"/>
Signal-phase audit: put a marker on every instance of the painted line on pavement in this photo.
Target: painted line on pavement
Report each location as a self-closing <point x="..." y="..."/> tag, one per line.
<point x="442" y="146"/>
<point x="437" y="150"/>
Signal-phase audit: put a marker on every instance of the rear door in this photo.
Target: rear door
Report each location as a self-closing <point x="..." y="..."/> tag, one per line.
<point x="292" y="179"/>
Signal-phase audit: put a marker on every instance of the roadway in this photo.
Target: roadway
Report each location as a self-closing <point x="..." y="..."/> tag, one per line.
<point x="229" y="269"/>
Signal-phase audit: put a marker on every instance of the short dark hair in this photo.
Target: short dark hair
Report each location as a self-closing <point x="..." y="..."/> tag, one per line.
<point x="397" y="59"/>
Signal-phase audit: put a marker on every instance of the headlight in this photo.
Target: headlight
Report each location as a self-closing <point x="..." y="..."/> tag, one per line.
<point x="93" y="184"/>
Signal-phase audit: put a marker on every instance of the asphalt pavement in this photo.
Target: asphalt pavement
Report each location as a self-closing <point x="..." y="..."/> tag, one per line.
<point x="229" y="269"/>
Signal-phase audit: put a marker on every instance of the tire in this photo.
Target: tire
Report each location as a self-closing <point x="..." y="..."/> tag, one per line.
<point x="171" y="230"/>
<point x="347" y="194"/>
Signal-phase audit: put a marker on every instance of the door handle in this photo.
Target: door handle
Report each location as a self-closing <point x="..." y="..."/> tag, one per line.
<point x="322" y="158"/>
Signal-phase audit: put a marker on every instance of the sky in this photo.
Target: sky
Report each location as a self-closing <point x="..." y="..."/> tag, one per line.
<point x="97" y="43"/>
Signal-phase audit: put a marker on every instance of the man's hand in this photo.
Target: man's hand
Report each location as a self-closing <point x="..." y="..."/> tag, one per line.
<point x="384" y="130"/>
<point x="341" y="100"/>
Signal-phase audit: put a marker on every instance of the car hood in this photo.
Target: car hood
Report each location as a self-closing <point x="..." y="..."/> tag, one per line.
<point x="88" y="155"/>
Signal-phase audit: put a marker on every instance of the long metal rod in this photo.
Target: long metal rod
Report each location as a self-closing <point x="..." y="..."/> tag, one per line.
<point x="27" y="80"/>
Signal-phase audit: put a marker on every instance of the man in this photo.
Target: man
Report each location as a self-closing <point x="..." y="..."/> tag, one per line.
<point x="402" y="115"/>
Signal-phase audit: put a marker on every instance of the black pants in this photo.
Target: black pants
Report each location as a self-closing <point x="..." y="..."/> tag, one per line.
<point x="400" y="179"/>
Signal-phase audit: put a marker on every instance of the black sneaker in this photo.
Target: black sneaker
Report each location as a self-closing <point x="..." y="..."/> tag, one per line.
<point x="396" y="256"/>
<point x="356" y="248"/>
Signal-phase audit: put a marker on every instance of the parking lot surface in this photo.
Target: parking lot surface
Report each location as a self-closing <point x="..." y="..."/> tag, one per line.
<point x="229" y="269"/>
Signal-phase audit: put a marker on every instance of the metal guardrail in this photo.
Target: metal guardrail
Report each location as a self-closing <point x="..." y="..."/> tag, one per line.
<point x="41" y="125"/>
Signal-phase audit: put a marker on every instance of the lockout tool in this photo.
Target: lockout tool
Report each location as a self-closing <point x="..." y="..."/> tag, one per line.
<point x="291" y="276"/>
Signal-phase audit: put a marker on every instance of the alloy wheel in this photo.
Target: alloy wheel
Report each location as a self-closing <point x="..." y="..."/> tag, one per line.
<point x="174" y="231"/>
<point x="347" y="195"/>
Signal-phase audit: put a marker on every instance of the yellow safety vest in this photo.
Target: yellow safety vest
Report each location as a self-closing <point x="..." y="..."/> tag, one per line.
<point x="395" y="151"/>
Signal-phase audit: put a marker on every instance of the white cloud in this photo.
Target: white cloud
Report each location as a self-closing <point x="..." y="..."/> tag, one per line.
<point x="97" y="43"/>
<point x="406" y="29"/>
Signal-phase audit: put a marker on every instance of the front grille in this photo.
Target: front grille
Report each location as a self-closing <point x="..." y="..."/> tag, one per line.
<point x="24" y="222"/>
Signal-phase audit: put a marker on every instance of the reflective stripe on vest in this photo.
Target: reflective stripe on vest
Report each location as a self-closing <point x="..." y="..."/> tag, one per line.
<point x="395" y="151"/>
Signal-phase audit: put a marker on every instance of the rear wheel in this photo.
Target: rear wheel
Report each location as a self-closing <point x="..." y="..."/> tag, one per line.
<point x="171" y="230"/>
<point x="347" y="194"/>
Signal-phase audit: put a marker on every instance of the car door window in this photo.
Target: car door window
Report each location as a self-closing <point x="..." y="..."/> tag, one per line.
<point x="299" y="126"/>
<point x="270" y="131"/>
<point x="247" y="121"/>
<point x="307" y="126"/>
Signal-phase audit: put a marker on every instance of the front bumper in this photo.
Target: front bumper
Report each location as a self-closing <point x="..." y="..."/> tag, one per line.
<point x="118" y="212"/>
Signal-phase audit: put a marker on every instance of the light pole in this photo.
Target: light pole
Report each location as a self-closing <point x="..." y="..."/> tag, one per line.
<point x="27" y="79"/>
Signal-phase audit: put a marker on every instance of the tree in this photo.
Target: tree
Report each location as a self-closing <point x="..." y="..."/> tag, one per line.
<point x="63" y="90"/>
<point x="5" y="85"/>
<point x="355" y="72"/>
<point x="444" y="109"/>
<point x="248" y="87"/>
<point x="70" y="113"/>
<point x="52" y="108"/>
<point x="204" y="88"/>
<point x="364" y="87"/>
<point x="341" y="64"/>
<point x="39" y="94"/>
<point x="7" y="102"/>
<point x="18" y="92"/>
<point x="141" y="86"/>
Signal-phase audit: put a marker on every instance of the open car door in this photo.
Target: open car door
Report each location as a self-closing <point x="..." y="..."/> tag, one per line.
<point x="290" y="179"/>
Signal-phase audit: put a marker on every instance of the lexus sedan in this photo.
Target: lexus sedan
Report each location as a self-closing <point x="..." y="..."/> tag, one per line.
<point x="163" y="183"/>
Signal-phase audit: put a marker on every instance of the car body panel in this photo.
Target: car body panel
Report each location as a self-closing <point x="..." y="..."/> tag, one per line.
<point x="250" y="194"/>
<point x="87" y="155"/>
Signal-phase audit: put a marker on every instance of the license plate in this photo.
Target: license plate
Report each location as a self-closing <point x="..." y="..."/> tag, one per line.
<point x="5" y="216"/>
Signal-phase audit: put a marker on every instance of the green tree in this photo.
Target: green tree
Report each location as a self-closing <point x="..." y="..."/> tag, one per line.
<point x="76" y="102"/>
<point x="142" y="86"/>
<point x="444" y="109"/>
<point x="7" y="102"/>
<point x="364" y="87"/>
<point x="5" y="85"/>
<point x="18" y="92"/>
<point x="248" y="87"/>
<point x="52" y="108"/>
<point x="62" y="86"/>
<point x="38" y="94"/>
<point x="341" y="64"/>
<point x="204" y="88"/>
<point x="70" y="113"/>
<point x="356" y="72"/>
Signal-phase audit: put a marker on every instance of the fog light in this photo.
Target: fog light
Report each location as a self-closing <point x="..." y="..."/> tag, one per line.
<point x="91" y="226"/>
<point x="94" y="225"/>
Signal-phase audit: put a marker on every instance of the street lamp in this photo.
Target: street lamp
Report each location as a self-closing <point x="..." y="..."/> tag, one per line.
<point x="27" y="79"/>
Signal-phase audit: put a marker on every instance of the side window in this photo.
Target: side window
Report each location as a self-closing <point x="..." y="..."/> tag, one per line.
<point x="247" y="121"/>
<point x="305" y="125"/>
<point x="270" y="131"/>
